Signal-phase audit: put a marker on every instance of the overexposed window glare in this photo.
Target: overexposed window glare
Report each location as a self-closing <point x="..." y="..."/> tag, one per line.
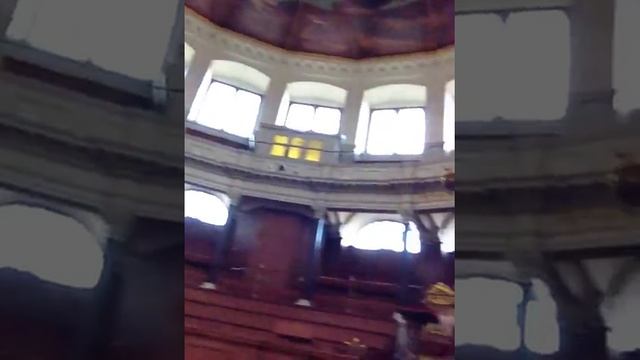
<point x="49" y="245"/>
<point x="536" y="68"/>
<point x="189" y="53"/>
<point x="385" y="235"/>
<point x="447" y="236"/>
<point x="626" y="77"/>
<point x="229" y="109"/>
<point x="449" y="122"/>
<point x="318" y="119"/>
<point x="479" y="37"/>
<point x="396" y="132"/>
<point x="496" y="325"/>
<point x="520" y="67"/>
<point x="623" y="318"/>
<point x="205" y="207"/>
<point x="542" y="334"/>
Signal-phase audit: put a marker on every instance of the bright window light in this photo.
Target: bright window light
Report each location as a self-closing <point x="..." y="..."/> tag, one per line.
<point x="319" y="119"/>
<point x="229" y="109"/>
<point x="536" y="69"/>
<point x="449" y="123"/>
<point x="47" y="25"/>
<point x="622" y="316"/>
<point x="385" y="235"/>
<point x="520" y="68"/>
<point x="300" y="117"/>
<point x="447" y="237"/>
<point x="51" y="246"/>
<point x="400" y="132"/>
<point x="205" y="207"/>
<point x="542" y="334"/>
<point x="626" y="77"/>
<point x="189" y="53"/>
<point x="479" y="37"/>
<point x="499" y="303"/>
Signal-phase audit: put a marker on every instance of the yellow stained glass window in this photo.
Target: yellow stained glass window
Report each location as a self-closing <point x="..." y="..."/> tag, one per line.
<point x="295" y="150"/>
<point x="314" y="152"/>
<point x="279" y="147"/>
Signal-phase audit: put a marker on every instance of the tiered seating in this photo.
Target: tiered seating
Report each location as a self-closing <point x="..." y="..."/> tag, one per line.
<point x="227" y="324"/>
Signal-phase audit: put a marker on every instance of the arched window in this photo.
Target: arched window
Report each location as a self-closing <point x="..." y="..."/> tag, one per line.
<point x="205" y="207"/>
<point x="189" y="53"/>
<point x="542" y="334"/>
<point x="51" y="246"/>
<point x="385" y="235"/>
<point x="623" y="318"/>
<point x="496" y="308"/>
<point x="79" y="30"/>
<point x="520" y="68"/>
<point x="447" y="236"/>
<point x="499" y="306"/>
<point x="229" y="98"/>
<point x="449" y="117"/>
<point x="312" y="106"/>
<point x="392" y="120"/>
<point x="626" y="58"/>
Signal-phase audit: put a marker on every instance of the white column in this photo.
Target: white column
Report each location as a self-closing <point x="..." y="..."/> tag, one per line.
<point x="435" y="114"/>
<point x="351" y="115"/>
<point x="7" y="8"/>
<point x="272" y="100"/>
<point x="173" y="68"/>
<point x="197" y="70"/>
<point x="592" y="27"/>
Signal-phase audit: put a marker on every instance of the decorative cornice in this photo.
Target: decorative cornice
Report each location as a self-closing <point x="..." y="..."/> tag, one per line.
<point x="548" y="162"/>
<point x="61" y="114"/>
<point x="339" y="175"/>
<point x="85" y="158"/>
<point x="200" y="29"/>
<point x="280" y="191"/>
<point x="407" y="187"/>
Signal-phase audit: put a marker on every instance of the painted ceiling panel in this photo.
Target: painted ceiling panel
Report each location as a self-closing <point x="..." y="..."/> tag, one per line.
<point x="354" y="29"/>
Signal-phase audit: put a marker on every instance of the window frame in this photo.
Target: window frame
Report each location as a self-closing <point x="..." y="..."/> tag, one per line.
<point x="397" y="109"/>
<point x="315" y="109"/>
<point x="232" y="137"/>
<point x="304" y="149"/>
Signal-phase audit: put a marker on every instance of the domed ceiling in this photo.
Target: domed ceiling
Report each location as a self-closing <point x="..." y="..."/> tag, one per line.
<point x="353" y="29"/>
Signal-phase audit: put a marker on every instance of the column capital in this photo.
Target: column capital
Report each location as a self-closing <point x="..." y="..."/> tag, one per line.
<point x="319" y="212"/>
<point x="406" y="213"/>
<point x="234" y="197"/>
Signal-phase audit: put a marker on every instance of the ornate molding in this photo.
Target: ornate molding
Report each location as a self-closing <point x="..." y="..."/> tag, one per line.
<point x="543" y="162"/>
<point x="354" y="198"/>
<point x="222" y="158"/>
<point x="31" y="106"/>
<point x="202" y="31"/>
